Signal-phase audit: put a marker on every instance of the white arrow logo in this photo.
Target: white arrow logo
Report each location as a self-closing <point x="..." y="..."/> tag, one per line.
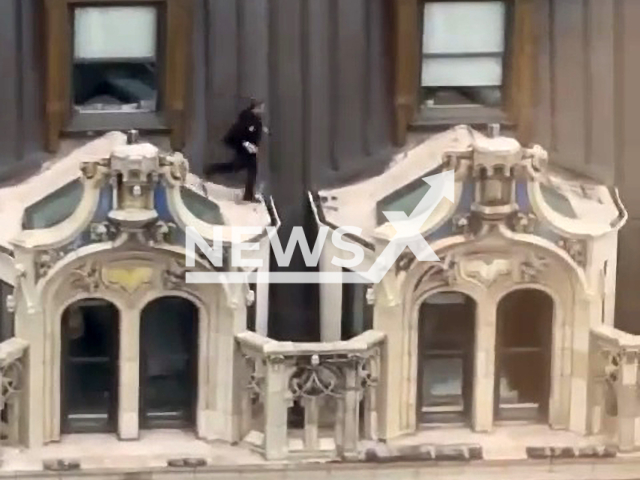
<point x="408" y="228"/>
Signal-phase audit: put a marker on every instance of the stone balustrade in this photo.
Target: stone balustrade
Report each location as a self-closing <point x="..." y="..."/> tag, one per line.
<point x="13" y="355"/>
<point x="334" y="386"/>
<point x="614" y="391"/>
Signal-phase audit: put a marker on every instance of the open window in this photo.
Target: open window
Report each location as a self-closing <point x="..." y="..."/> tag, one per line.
<point x="462" y="61"/>
<point x="116" y="65"/>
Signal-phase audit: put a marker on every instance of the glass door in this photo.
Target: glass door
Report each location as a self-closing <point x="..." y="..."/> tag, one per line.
<point x="168" y="363"/>
<point x="89" y="367"/>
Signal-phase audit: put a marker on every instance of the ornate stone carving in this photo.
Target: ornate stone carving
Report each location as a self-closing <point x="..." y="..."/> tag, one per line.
<point x="86" y="278"/>
<point x="102" y="232"/>
<point x="173" y="277"/>
<point x="532" y="268"/>
<point x="577" y="250"/>
<point x="127" y="279"/>
<point x="523" y="222"/>
<point x="462" y="224"/>
<point x="45" y="262"/>
<point x="161" y="232"/>
<point x="317" y="379"/>
<point x="484" y="271"/>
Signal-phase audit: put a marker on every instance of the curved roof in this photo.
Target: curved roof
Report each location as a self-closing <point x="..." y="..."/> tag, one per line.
<point x="566" y="203"/>
<point x="50" y="196"/>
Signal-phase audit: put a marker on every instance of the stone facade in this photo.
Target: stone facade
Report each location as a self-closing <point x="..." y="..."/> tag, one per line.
<point x="511" y="222"/>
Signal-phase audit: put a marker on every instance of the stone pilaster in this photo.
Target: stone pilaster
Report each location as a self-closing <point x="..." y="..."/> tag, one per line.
<point x="275" y="409"/>
<point x="129" y="375"/>
<point x="627" y="393"/>
<point x="484" y="367"/>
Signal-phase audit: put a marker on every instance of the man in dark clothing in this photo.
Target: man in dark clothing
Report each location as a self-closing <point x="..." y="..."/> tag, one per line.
<point x="244" y="139"/>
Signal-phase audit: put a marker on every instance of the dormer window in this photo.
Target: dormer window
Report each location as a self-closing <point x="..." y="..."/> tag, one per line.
<point x="116" y="65"/>
<point x="115" y="72"/>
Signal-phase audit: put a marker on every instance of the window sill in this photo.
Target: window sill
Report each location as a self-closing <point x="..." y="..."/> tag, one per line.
<point x="449" y="117"/>
<point x="102" y="122"/>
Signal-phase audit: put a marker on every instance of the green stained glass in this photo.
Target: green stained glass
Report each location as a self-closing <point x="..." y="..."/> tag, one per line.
<point x="557" y="201"/>
<point x="201" y="207"/>
<point x="54" y="208"/>
<point x="405" y="199"/>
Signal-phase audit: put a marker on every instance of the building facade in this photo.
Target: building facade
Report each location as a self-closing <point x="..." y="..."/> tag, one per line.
<point x="523" y="332"/>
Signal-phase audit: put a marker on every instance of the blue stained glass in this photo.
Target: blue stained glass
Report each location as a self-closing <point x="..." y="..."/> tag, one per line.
<point x="522" y="197"/>
<point x="105" y="203"/>
<point x="161" y="204"/>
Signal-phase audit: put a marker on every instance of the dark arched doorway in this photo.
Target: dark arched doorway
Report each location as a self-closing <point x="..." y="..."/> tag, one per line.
<point x="446" y="351"/>
<point x="168" y="363"/>
<point x="523" y="356"/>
<point x="89" y="364"/>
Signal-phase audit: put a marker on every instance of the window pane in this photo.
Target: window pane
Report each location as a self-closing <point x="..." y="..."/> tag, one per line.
<point x="522" y="378"/>
<point x="447" y="327"/>
<point x="54" y="208"/>
<point x="442" y="382"/>
<point x="462" y="72"/>
<point x="464" y="27"/>
<point x="115" y="68"/>
<point x="201" y="207"/>
<point x="115" y="32"/>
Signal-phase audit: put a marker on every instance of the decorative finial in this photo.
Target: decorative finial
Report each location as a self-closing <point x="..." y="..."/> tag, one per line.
<point x="132" y="137"/>
<point x="494" y="130"/>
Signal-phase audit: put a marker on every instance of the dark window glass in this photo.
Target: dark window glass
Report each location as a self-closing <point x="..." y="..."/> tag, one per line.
<point x="251" y="310"/>
<point x="115" y="66"/>
<point x="90" y="374"/>
<point x="357" y="314"/>
<point x="168" y="363"/>
<point x="523" y="355"/>
<point x="6" y="317"/>
<point x="446" y="358"/>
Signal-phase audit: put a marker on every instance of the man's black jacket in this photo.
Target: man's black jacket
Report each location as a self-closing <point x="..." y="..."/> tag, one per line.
<point x="247" y="128"/>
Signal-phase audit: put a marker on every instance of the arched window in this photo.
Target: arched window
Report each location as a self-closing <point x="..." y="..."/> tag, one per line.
<point x="168" y="363"/>
<point x="523" y="356"/>
<point x="447" y="324"/>
<point x="90" y="337"/>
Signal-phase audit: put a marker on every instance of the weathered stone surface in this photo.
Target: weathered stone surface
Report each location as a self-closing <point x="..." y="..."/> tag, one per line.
<point x="537" y="453"/>
<point x="452" y="453"/>
<point x="60" y="465"/>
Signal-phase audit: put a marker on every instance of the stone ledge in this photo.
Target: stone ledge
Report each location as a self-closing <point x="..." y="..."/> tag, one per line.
<point x="382" y="453"/>
<point x="565" y="452"/>
<point x="60" y="465"/>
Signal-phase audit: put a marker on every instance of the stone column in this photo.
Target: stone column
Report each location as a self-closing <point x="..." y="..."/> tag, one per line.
<point x="484" y="366"/>
<point x="129" y="375"/>
<point x="351" y="416"/>
<point x="231" y="320"/>
<point x="29" y="327"/>
<point x="262" y="297"/>
<point x="311" y="417"/>
<point x="330" y="302"/>
<point x="393" y="374"/>
<point x="276" y="406"/>
<point x="627" y="393"/>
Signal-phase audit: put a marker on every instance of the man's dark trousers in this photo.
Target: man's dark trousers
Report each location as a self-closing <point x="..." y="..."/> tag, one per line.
<point x="242" y="161"/>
